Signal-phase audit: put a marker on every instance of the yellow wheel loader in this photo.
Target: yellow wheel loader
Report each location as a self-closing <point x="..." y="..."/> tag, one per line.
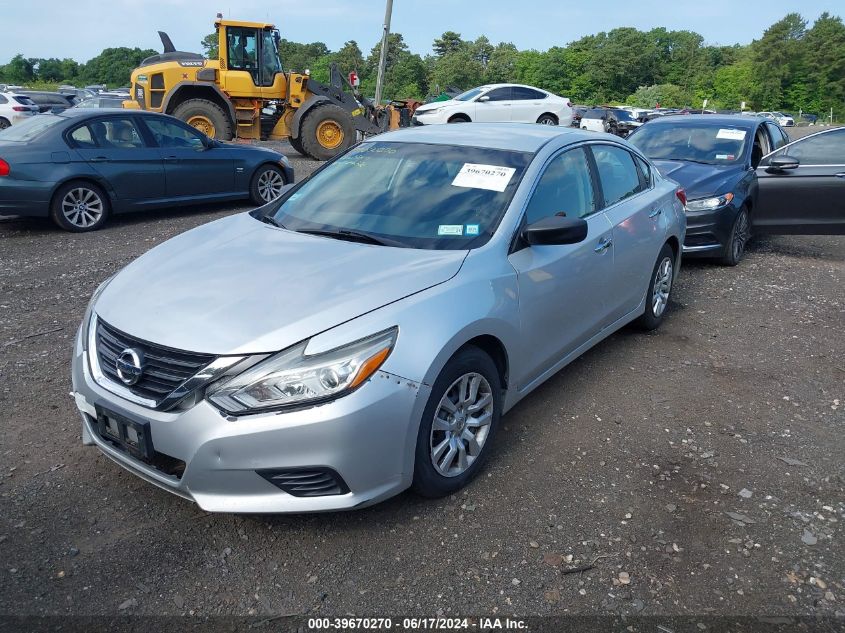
<point x="246" y="94"/>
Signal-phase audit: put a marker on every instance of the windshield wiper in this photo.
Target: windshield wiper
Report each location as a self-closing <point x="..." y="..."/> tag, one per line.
<point x="686" y="160"/>
<point x="269" y="219"/>
<point x="353" y="236"/>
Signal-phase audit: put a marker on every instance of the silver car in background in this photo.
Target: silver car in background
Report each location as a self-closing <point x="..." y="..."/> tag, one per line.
<point x="366" y="332"/>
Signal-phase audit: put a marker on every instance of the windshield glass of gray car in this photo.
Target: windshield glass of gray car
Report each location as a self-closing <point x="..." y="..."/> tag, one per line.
<point x="409" y="194"/>
<point x="711" y="144"/>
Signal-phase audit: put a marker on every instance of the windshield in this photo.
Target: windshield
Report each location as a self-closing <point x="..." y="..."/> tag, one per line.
<point x="623" y="115"/>
<point x="30" y="128"/>
<point x="469" y="94"/>
<point x="438" y="197"/>
<point x="711" y="144"/>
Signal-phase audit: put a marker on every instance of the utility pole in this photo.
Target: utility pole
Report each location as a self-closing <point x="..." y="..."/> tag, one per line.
<point x="382" y="60"/>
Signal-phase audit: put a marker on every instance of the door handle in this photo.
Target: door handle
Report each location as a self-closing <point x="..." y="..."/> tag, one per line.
<point x="100" y="159"/>
<point x="655" y="212"/>
<point x="603" y="245"/>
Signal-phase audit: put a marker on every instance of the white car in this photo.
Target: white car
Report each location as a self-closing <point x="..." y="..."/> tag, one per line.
<point x="496" y="103"/>
<point x="15" y="108"/>
<point x="784" y="120"/>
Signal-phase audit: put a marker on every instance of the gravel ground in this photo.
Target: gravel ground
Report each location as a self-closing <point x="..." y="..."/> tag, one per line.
<point x="698" y="469"/>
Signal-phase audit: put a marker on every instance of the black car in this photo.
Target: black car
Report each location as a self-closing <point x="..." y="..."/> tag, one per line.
<point x="801" y="187"/>
<point x="714" y="158"/>
<point x="50" y="101"/>
<point x="79" y="166"/>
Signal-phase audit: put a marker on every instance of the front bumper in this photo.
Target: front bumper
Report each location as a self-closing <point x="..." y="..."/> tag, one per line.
<point x="367" y="438"/>
<point x="708" y="232"/>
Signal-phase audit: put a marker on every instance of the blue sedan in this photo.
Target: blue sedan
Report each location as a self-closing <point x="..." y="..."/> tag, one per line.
<point x="80" y="166"/>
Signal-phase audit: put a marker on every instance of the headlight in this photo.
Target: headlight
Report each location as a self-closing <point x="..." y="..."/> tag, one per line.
<point x="290" y="378"/>
<point x="426" y="112"/>
<point x="86" y="319"/>
<point x="709" y="204"/>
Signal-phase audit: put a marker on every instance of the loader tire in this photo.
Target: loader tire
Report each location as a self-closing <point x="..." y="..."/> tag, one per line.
<point x="326" y="131"/>
<point x="207" y="117"/>
<point x="296" y="143"/>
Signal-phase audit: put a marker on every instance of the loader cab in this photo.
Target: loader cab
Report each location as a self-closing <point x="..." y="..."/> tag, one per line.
<point x="251" y="48"/>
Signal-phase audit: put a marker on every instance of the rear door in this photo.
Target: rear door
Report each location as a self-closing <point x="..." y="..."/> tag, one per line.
<point x="496" y="107"/>
<point x="636" y="212"/>
<point x="810" y="198"/>
<point x="192" y="166"/>
<point x="527" y="104"/>
<point x="116" y="149"/>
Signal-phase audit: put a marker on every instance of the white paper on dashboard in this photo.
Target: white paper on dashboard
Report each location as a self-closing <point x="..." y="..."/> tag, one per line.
<point x="491" y="177"/>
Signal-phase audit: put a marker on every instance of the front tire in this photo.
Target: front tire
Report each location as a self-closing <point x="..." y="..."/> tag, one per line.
<point x="740" y="234"/>
<point x="659" y="290"/>
<point x="266" y="184"/>
<point x="326" y="131"/>
<point x="79" y="207"/>
<point x="458" y="424"/>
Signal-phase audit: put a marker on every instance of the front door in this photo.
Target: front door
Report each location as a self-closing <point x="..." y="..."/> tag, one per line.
<point x="808" y="198"/>
<point x="116" y="150"/>
<point x="562" y="288"/>
<point x="494" y="106"/>
<point x="192" y="166"/>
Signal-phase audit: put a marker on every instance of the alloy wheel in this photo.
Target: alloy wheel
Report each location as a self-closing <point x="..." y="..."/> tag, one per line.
<point x="270" y="184"/>
<point x="82" y="207"/>
<point x="662" y="287"/>
<point x="461" y="424"/>
<point x="741" y="235"/>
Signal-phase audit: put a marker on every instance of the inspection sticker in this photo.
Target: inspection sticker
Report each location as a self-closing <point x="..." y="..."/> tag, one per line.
<point x="489" y="177"/>
<point x="450" y="229"/>
<point x="472" y="229"/>
<point x="724" y="157"/>
<point x="734" y="135"/>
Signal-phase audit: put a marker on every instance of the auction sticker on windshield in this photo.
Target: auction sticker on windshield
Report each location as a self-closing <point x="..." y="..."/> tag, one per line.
<point x="450" y="229"/>
<point x="734" y="135"/>
<point x="491" y="177"/>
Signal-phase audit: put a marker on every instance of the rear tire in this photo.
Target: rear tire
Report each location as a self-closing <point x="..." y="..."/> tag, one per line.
<point x="207" y="117"/>
<point x="326" y="131"/>
<point x="4" y="123"/>
<point x="659" y="290"/>
<point x="79" y="207"/>
<point x="547" y="119"/>
<point x="460" y="441"/>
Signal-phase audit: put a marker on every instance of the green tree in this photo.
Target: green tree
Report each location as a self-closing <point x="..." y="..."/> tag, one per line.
<point x="824" y="67"/>
<point x="113" y="66"/>
<point x="210" y="46"/>
<point x="501" y="67"/>
<point x="449" y="42"/>
<point x="777" y="60"/>
<point x="19" y="70"/>
<point x="667" y="95"/>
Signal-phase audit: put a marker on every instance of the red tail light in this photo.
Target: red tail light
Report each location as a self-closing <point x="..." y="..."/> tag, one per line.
<point x="4" y="168"/>
<point x="21" y="108"/>
<point x="568" y="104"/>
<point x="682" y="195"/>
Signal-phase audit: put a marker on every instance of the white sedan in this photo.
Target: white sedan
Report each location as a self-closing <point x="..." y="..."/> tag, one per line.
<point x="497" y="103"/>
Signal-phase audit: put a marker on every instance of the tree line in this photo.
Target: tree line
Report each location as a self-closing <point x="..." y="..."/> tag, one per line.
<point x="794" y="65"/>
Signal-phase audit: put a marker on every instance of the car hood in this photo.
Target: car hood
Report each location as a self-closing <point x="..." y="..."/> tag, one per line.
<point x="700" y="181"/>
<point x="439" y="104"/>
<point x="239" y="286"/>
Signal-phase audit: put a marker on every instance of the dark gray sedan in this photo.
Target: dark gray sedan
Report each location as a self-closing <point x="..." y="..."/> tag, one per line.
<point x="80" y="166"/>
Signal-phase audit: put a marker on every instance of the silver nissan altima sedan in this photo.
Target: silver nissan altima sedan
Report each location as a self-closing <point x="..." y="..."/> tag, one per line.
<point x="366" y="332"/>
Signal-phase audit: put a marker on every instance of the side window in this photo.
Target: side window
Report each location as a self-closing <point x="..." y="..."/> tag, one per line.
<point x="778" y="138"/>
<point x="243" y="49"/>
<point x="564" y="188"/>
<point x="827" y="148"/>
<point x="521" y="93"/>
<point x="83" y="138"/>
<point x="500" y="94"/>
<point x="645" y="171"/>
<point x="116" y="133"/>
<point x="169" y="134"/>
<point x="617" y="173"/>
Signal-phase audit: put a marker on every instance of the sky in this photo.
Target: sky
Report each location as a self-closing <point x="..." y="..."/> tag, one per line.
<point x="80" y="29"/>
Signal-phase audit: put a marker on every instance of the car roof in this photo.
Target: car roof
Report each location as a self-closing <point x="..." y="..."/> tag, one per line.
<point x="519" y="137"/>
<point x="708" y="120"/>
<point x="74" y="112"/>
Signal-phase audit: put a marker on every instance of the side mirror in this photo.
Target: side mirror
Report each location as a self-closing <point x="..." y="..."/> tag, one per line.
<point x="483" y="99"/>
<point x="556" y="229"/>
<point x="782" y="163"/>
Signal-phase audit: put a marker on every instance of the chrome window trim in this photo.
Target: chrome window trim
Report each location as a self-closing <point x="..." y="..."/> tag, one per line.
<point x="799" y="140"/>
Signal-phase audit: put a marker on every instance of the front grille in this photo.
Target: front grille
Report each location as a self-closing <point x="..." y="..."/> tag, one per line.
<point x="306" y="482"/>
<point x="164" y="368"/>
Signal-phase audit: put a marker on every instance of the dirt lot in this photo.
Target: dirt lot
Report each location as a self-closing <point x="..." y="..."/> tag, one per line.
<point x="698" y="468"/>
